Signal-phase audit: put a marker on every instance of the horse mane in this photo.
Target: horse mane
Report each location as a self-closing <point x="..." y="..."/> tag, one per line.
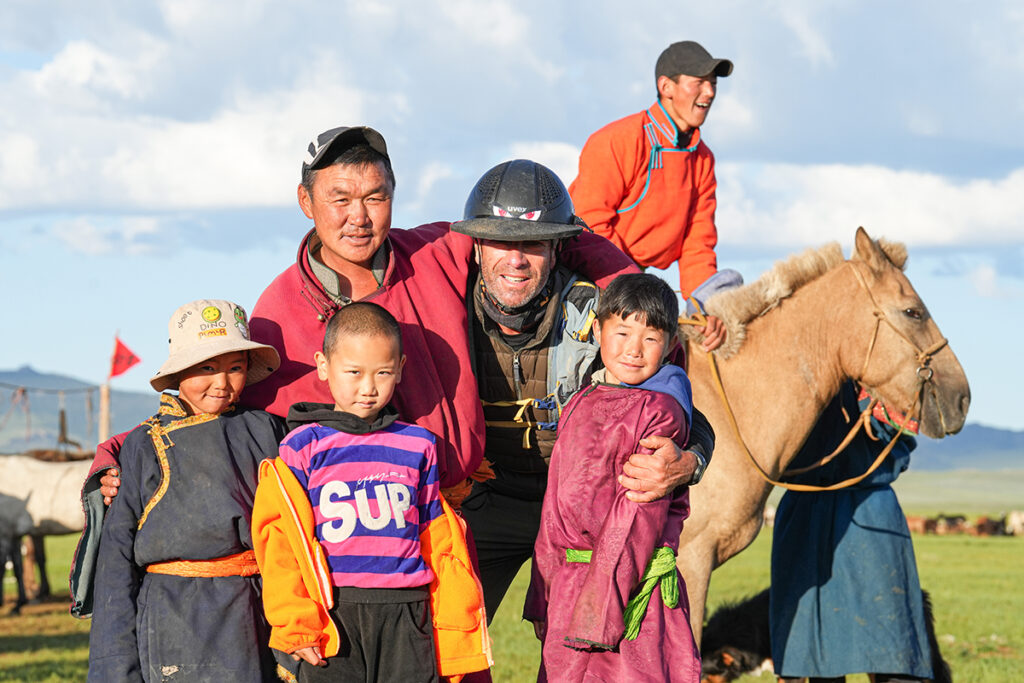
<point x="737" y="307"/>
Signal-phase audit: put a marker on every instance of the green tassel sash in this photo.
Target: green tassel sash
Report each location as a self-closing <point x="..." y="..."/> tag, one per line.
<point x="660" y="569"/>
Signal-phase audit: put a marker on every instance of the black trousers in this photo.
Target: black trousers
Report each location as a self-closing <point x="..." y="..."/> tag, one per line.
<point x="386" y="635"/>
<point x="504" y="530"/>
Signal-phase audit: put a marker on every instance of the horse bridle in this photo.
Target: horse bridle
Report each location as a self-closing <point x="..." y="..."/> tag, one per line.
<point x="924" y="371"/>
<point x="924" y="374"/>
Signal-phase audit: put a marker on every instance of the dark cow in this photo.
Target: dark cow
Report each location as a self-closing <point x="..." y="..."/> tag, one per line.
<point x="950" y="524"/>
<point x="737" y="641"/>
<point x="920" y="525"/>
<point x="988" y="526"/>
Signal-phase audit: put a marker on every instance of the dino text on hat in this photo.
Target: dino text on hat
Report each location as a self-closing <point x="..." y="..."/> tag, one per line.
<point x="337" y="141"/>
<point x="690" y="59"/>
<point x="206" y="328"/>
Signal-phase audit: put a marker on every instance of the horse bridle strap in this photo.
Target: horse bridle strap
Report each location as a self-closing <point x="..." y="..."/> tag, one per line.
<point x="924" y="356"/>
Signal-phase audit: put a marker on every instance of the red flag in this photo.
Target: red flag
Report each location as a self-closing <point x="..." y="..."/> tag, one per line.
<point x="123" y="359"/>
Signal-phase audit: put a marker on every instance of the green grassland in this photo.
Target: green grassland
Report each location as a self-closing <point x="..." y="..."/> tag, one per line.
<point x="44" y="644"/>
<point x="975" y="585"/>
<point x="969" y="492"/>
<point x="976" y="590"/>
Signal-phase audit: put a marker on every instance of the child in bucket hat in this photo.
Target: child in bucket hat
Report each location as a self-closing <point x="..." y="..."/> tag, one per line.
<point x="207" y="328"/>
<point x="177" y="586"/>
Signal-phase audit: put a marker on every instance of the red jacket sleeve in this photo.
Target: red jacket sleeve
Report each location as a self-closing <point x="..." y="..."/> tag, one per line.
<point x="107" y="453"/>
<point x="595" y="258"/>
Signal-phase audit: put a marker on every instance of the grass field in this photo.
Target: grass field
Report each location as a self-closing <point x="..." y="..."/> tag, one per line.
<point x="975" y="584"/>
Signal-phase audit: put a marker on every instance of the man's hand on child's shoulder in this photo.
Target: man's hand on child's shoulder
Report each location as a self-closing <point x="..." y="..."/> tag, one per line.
<point x="109" y="484"/>
<point x="654" y="476"/>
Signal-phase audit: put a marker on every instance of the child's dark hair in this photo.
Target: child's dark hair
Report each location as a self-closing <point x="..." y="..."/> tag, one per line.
<point x="645" y="294"/>
<point x="363" y="318"/>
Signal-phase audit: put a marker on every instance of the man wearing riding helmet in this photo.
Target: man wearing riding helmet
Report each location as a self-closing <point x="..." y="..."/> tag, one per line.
<point x="531" y="348"/>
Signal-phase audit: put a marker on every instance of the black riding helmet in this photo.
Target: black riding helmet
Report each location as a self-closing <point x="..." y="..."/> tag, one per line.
<point x="519" y="201"/>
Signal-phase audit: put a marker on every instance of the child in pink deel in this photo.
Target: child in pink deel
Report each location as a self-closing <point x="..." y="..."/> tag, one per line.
<point x="605" y="596"/>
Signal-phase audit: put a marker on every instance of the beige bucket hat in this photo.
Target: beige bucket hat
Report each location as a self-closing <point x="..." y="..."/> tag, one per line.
<point x="206" y="328"/>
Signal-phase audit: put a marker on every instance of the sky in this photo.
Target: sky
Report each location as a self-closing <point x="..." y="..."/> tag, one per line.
<point x="150" y="151"/>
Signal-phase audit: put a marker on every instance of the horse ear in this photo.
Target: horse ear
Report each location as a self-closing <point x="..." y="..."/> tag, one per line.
<point x="867" y="251"/>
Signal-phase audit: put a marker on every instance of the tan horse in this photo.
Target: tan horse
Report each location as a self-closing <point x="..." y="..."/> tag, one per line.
<point x="794" y="335"/>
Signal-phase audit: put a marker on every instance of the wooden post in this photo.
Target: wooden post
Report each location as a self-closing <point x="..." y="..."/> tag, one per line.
<point x="28" y="565"/>
<point x="104" y="426"/>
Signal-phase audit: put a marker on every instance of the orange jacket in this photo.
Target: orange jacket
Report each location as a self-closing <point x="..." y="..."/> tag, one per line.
<point x="297" y="590"/>
<point x="653" y="199"/>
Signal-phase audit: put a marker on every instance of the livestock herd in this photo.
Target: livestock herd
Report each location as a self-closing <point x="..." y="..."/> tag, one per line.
<point x="1010" y="524"/>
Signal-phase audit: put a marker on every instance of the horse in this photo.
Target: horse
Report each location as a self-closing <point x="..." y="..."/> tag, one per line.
<point x="38" y="498"/>
<point x="793" y="336"/>
<point x="14" y="522"/>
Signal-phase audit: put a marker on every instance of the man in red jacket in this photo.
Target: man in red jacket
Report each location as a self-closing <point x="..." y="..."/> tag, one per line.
<point x="421" y="276"/>
<point x="647" y="181"/>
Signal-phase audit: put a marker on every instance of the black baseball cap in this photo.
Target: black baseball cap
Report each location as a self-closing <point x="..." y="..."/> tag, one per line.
<point x="340" y="139"/>
<point x="691" y="59"/>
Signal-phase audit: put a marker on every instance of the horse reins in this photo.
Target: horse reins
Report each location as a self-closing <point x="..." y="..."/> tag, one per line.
<point x="924" y="375"/>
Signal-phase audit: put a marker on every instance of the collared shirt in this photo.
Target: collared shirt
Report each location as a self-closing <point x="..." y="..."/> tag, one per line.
<point x="330" y="280"/>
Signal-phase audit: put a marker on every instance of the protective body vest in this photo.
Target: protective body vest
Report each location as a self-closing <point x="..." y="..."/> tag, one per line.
<point x="524" y="389"/>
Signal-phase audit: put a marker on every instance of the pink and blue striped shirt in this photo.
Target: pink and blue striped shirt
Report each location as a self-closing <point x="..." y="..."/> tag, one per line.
<point x="372" y="494"/>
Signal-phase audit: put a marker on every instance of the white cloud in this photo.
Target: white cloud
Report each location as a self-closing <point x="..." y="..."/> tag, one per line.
<point x="793" y="204"/>
<point x="560" y="157"/>
<point x="813" y="43"/>
<point x="82" y="73"/>
<point x="19" y="162"/>
<point x="245" y="154"/>
<point x="986" y="281"/>
<point x="492" y="22"/>
<point x="428" y="178"/>
<point x="128" y="235"/>
<point x="731" y="118"/>
<point x="499" y="27"/>
<point x="377" y="10"/>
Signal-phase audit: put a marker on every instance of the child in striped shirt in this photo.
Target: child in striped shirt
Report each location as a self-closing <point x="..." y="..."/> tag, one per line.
<point x="339" y="515"/>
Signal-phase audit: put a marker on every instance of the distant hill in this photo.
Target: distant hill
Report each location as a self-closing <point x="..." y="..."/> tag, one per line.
<point x="38" y="427"/>
<point x="976" y="447"/>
